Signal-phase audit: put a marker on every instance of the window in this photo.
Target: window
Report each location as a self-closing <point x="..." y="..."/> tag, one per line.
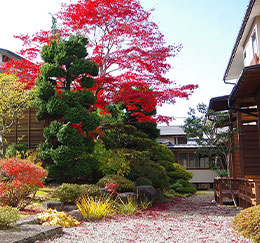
<point x="183" y="159"/>
<point x="254" y="42"/>
<point x="191" y="160"/>
<point x="204" y="162"/>
<point x="182" y="140"/>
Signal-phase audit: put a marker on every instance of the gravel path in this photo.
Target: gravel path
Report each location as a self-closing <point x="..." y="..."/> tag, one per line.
<point x="185" y="220"/>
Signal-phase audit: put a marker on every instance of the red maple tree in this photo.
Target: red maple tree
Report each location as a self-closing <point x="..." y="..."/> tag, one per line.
<point x="128" y="48"/>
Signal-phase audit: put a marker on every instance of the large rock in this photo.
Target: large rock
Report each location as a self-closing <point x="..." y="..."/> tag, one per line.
<point x="59" y="206"/>
<point x="125" y="196"/>
<point x="147" y="193"/>
<point x="76" y="214"/>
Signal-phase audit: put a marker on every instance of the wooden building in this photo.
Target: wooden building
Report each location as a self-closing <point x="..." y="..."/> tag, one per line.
<point x="243" y="105"/>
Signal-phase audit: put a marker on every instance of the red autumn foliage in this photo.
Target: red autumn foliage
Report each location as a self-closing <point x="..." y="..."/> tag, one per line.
<point x="128" y="48"/>
<point x="19" y="179"/>
<point x="111" y="188"/>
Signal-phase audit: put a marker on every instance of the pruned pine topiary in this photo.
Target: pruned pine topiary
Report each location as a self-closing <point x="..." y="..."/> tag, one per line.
<point x="62" y="95"/>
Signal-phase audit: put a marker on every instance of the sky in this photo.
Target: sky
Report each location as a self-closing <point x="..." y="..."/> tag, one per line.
<point x="207" y="29"/>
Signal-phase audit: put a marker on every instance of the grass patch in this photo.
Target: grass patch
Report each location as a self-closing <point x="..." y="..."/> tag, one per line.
<point x="205" y="192"/>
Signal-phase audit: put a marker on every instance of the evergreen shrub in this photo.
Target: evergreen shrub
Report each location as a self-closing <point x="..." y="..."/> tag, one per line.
<point x="125" y="185"/>
<point x="247" y="223"/>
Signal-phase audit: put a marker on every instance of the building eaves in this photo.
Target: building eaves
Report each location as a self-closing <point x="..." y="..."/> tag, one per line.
<point x="240" y="34"/>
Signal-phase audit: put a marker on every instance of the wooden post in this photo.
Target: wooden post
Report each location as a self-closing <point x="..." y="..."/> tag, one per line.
<point x="232" y="156"/>
<point x="29" y="127"/>
<point x="240" y="142"/>
<point x="257" y="192"/>
<point x="257" y="99"/>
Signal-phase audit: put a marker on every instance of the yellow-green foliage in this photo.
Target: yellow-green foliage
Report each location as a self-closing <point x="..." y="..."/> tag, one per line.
<point x="130" y="207"/>
<point x="7" y="215"/>
<point x="53" y="217"/>
<point x="247" y="223"/>
<point x="13" y="100"/>
<point x="95" y="208"/>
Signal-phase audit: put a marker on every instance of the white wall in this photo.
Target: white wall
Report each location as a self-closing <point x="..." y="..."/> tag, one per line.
<point x="203" y="176"/>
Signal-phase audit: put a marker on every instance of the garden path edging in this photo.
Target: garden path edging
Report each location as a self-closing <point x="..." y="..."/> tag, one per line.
<point x="27" y="230"/>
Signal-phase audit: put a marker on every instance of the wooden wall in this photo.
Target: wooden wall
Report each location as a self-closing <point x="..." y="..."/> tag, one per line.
<point x="251" y="153"/>
<point x="27" y="127"/>
<point x="235" y="159"/>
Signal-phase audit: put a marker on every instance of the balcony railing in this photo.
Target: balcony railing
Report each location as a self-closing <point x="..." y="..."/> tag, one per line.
<point x="246" y="191"/>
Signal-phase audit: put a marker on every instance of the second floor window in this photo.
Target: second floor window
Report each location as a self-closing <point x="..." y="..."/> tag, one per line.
<point x="254" y="42"/>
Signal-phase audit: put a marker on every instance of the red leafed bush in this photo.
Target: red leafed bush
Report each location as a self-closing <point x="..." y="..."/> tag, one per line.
<point x="19" y="181"/>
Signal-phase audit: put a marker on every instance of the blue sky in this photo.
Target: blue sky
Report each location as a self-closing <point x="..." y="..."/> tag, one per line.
<point x="206" y="28"/>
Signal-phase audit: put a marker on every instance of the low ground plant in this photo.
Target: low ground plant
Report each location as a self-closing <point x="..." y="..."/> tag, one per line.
<point x="95" y="208"/>
<point x="8" y="215"/>
<point x="130" y="207"/>
<point x="247" y="223"/>
<point x="53" y="217"/>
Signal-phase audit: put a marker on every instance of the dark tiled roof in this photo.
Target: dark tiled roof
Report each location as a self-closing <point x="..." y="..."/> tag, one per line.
<point x="10" y="54"/>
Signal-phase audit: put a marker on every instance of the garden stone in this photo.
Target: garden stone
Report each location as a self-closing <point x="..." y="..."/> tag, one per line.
<point x="103" y="192"/>
<point x="59" y="206"/>
<point x="124" y="196"/>
<point x="68" y="208"/>
<point x="146" y="193"/>
<point x="76" y="214"/>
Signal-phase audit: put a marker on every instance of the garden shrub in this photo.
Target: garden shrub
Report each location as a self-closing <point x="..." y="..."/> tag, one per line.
<point x="90" y="190"/>
<point x="247" y="223"/>
<point x="19" y="180"/>
<point x="180" y="173"/>
<point x="142" y="166"/>
<point x="124" y="185"/>
<point x="111" y="161"/>
<point x="69" y="193"/>
<point x="143" y="181"/>
<point x="14" y="150"/>
<point x="183" y="186"/>
<point x="8" y="215"/>
<point x="161" y="152"/>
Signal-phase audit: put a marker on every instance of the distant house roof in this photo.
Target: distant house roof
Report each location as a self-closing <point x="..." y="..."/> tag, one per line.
<point x="10" y="54"/>
<point x="235" y="64"/>
<point x="171" y="130"/>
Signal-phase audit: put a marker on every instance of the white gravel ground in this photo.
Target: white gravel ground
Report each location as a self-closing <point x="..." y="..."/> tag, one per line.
<point x="185" y="220"/>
